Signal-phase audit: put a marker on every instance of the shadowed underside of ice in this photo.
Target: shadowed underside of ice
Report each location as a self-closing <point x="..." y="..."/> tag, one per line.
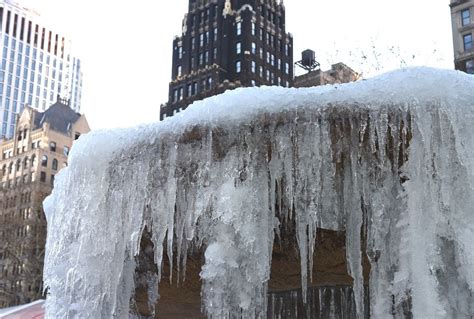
<point x="388" y="159"/>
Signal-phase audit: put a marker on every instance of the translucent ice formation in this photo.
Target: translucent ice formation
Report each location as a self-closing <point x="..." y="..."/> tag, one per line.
<point x="389" y="160"/>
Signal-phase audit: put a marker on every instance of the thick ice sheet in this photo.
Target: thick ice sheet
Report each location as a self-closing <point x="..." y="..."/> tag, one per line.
<point x="389" y="160"/>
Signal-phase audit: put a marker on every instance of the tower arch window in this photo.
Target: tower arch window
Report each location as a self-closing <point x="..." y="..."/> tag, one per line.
<point x="44" y="161"/>
<point x="465" y="17"/>
<point x="467" y="40"/>
<point x="52" y="146"/>
<point x="54" y="164"/>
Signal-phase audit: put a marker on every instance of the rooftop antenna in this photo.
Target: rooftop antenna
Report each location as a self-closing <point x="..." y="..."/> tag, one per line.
<point x="308" y="61"/>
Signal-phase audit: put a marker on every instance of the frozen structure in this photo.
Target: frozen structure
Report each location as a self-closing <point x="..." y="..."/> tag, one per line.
<point x="389" y="160"/>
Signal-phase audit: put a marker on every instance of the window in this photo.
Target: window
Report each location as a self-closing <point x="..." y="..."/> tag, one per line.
<point x="18" y="165"/>
<point x="201" y="39"/>
<point x="261" y="71"/>
<point x="215" y="34"/>
<point x="254" y="48"/>
<point x="52" y="146"/>
<point x="237" y="66"/>
<point x="190" y="88"/>
<point x="66" y="150"/>
<point x="467" y="39"/>
<point x="43" y="177"/>
<point x="287" y="68"/>
<point x="76" y="136"/>
<point x="180" y="52"/>
<point x="44" y="161"/>
<point x="470" y="66"/>
<point x="465" y="17"/>
<point x="179" y="70"/>
<point x="238" y="48"/>
<point x="239" y="28"/>
<point x="52" y="180"/>
<point x="175" y="95"/>
<point x="254" y="66"/>
<point x="253" y="28"/>
<point x="209" y="82"/>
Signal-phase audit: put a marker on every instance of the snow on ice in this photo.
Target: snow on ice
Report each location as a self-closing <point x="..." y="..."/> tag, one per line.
<point x="391" y="156"/>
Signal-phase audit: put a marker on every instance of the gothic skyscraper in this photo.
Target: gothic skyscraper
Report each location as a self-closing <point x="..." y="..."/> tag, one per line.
<point x="226" y="44"/>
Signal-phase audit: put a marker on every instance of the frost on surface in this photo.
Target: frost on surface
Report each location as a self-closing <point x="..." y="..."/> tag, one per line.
<point x="389" y="160"/>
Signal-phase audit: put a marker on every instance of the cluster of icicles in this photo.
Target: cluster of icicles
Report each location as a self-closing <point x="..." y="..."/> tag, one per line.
<point x="396" y="169"/>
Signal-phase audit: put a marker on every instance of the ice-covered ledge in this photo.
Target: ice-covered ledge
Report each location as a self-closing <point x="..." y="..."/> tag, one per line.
<point x="393" y="154"/>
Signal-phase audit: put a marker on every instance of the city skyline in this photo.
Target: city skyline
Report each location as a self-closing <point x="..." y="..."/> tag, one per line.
<point x="126" y="48"/>
<point x="37" y="65"/>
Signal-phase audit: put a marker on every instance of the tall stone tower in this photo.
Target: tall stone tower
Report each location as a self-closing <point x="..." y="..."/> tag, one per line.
<point x="226" y="44"/>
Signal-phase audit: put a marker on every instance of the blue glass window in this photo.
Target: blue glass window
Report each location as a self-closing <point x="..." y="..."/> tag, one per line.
<point x="237" y="66"/>
<point x="467" y="39"/>
<point x="466" y="17"/>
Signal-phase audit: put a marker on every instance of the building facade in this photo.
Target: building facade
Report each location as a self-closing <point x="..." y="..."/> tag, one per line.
<point x="462" y="12"/>
<point x="339" y="73"/>
<point x="29" y="162"/>
<point x="36" y="65"/>
<point x="226" y="44"/>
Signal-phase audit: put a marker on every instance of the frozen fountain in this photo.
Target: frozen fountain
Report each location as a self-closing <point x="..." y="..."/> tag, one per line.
<point x="387" y="160"/>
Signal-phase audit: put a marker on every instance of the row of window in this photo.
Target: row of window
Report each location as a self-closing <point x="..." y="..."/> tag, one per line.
<point x="192" y="89"/>
<point x="269" y="38"/>
<point x="271" y="16"/>
<point x="11" y="202"/>
<point x="26" y="161"/>
<point x="34" y="145"/>
<point x="32" y="33"/>
<point x="203" y="16"/>
<point x="238" y="68"/>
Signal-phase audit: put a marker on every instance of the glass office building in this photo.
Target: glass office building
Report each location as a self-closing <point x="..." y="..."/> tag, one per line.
<point x="36" y="65"/>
